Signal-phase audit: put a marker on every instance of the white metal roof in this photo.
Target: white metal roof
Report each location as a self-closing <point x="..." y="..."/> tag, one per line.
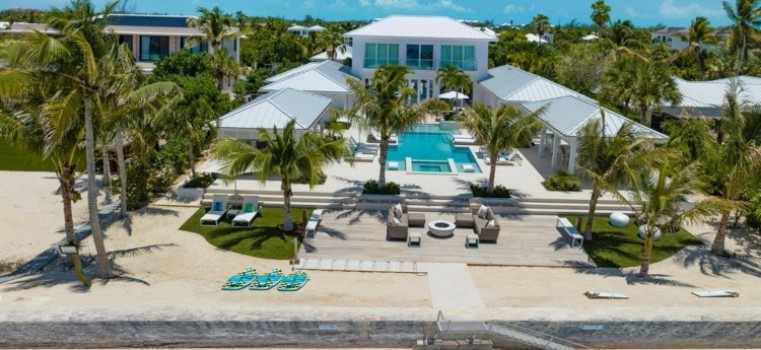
<point x="340" y="56"/>
<point x="533" y="38"/>
<point x="567" y="115"/>
<point x="277" y="109"/>
<point x="711" y="94"/>
<point x="327" y="76"/>
<point x="433" y="27"/>
<point x="511" y="84"/>
<point x="296" y="27"/>
<point x="24" y="27"/>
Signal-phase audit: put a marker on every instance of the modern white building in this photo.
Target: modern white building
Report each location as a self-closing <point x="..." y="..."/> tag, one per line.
<point x="423" y="43"/>
<point x="673" y="37"/>
<point x="303" y="31"/>
<point x="508" y="84"/>
<point x="325" y="78"/>
<point x="707" y="98"/>
<point x="342" y="53"/>
<point x="275" y="109"/>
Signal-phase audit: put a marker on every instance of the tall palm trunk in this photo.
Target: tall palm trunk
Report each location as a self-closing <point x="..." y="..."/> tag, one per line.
<point x="106" y="158"/>
<point x="492" y="171"/>
<point x="647" y="250"/>
<point x="591" y="215"/>
<point x="382" y="161"/>
<point x="122" y="172"/>
<point x="92" y="192"/>
<point x="191" y="159"/>
<point x="287" y="219"/>
<point x="717" y="248"/>
<point x="701" y="64"/>
<point x="644" y="114"/>
<point x="66" y="178"/>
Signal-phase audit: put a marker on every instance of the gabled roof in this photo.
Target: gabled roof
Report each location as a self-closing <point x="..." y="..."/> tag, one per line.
<point x="327" y="76"/>
<point x="340" y="56"/>
<point x="511" y="84"/>
<point x="431" y="27"/>
<point x="711" y="94"/>
<point x="568" y="114"/>
<point x="277" y="108"/>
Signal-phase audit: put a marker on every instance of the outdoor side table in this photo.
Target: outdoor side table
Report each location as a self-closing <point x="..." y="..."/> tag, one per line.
<point x="471" y="241"/>
<point x="413" y="239"/>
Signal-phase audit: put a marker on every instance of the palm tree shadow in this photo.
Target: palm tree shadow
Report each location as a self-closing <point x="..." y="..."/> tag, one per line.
<point x="717" y="266"/>
<point x="631" y="277"/>
<point x="264" y="234"/>
<point x="355" y="215"/>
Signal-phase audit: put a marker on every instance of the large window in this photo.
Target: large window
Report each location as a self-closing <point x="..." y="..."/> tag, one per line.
<point x="420" y="56"/>
<point x="463" y="57"/>
<point x="152" y="48"/>
<point x="202" y="47"/>
<point x="377" y="55"/>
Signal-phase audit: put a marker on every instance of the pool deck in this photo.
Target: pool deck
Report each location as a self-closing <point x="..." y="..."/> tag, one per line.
<point x="523" y="241"/>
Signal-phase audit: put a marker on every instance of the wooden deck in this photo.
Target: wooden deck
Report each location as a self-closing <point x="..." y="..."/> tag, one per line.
<point x="523" y="241"/>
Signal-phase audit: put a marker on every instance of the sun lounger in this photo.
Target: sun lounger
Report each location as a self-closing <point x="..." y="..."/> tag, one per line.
<point x="511" y="159"/>
<point x="240" y="280"/>
<point x="218" y="210"/>
<point x="462" y="137"/>
<point x="393" y="165"/>
<point x="293" y="282"/>
<point x="267" y="281"/>
<point x="251" y="208"/>
<point x="363" y="157"/>
<point x="468" y="168"/>
<point x="716" y="293"/>
<point x="605" y="295"/>
<point x="377" y="137"/>
<point x="464" y="141"/>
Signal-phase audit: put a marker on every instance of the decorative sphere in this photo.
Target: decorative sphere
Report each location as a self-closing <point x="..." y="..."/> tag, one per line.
<point x="618" y="219"/>
<point x="643" y="233"/>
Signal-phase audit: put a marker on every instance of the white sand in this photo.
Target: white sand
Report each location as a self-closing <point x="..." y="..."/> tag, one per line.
<point x="181" y="271"/>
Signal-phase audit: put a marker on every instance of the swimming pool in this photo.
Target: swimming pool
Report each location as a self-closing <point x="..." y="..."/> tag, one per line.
<point x="430" y="149"/>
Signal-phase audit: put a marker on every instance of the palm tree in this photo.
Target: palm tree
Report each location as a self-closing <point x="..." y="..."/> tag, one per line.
<point x="700" y="33"/>
<point x="617" y="86"/>
<point x="657" y="197"/>
<point x="452" y="77"/>
<point x="625" y="39"/>
<point x="191" y="120"/>
<point x="332" y="40"/>
<point x="215" y="26"/>
<point x="746" y="19"/>
<point x="542" y="24"/>
<point x="224" y="65"/>
<point x="600" y="15"/>
<point x="653" y="86"/>
<point x="608" y="160"/>
<point x="285" y="156"/>
<point x="740" y="159"/>
<point x="386" y="107"/>
<point x="500" y="129"/>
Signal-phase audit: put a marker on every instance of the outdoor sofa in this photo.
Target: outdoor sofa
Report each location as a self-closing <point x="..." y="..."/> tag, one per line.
<point x="485" y="234"/>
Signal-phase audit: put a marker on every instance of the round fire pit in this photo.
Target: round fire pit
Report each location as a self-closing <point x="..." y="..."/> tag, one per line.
<point x="441" y="228"/>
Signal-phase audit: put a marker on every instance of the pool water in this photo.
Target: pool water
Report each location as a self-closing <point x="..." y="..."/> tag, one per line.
<point x="430" y="148"/>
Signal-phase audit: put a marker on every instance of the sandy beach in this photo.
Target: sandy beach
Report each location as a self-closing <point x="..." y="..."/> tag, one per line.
<point x="164" y="268"/>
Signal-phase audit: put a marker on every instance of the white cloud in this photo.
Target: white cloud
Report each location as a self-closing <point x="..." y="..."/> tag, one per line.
<point x="398" y="4"/>
<point x="364" y="2"/>
<point x="339" y="4"/>
<point x="513" y="9"/>
<point x="308" y="4"/>
<point x="631" y="12"/>
<point x="449" y="4"/>
<point x="671" y="9"/>
<point x="416" y="5"/>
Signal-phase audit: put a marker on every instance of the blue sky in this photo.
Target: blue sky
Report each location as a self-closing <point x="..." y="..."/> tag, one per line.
<point x="642" y="12"/>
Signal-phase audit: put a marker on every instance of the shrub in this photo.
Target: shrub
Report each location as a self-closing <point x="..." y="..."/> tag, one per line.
<point x="753" y="213"/>
<point x="200" y="181"/>
<point x="481" y="191"/>
<point x="562" y="181"/>
<point x="371" y="187"/>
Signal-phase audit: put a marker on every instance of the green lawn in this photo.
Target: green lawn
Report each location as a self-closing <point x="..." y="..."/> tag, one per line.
<point x="19" y="159"/>
<point x="263" y="240"/>
<point x="621" y="247"/>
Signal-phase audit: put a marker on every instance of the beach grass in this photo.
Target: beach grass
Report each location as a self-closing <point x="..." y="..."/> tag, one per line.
<point x="621" y="247"/>
<point x="263" y="240"/>
<point x="19" y="159"/>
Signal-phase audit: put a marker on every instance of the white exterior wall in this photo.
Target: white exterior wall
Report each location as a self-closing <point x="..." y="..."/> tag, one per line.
<point x="358" y="57"/>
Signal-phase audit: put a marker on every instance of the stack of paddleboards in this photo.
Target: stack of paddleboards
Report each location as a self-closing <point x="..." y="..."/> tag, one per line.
<point x="266" y="281"/>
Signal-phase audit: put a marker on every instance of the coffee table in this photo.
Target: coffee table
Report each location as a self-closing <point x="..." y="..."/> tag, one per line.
<point x="441" y="228"/>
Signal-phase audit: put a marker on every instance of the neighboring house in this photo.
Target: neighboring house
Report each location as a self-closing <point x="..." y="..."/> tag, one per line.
<point x="707" y="98"/>
<point x="340" y="55"/>
<point x="275" y="109"/>
<point x="508" y="84"/>
<point x="672" y="37"/>
<point x="25" y="28"/>
<point x="152" y="37"/>
<point x="534" y="38"/>
<point x="424" y="44"/>
<point x="305" y="31"/>
<point x="325" y="78"/>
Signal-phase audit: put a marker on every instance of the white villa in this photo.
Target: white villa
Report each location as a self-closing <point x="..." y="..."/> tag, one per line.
<point x="303" y="31"/>
<point x="707" y="98"/>
<point x="424" y="44"/>
<point x="325" y="78"/>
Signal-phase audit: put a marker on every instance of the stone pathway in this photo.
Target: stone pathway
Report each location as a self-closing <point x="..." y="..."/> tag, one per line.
<point x="452" y="287"/>
<point x="361" y="265"/>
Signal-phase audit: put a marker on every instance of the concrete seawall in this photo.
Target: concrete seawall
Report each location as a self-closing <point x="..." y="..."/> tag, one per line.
<point x="357" y="333"/>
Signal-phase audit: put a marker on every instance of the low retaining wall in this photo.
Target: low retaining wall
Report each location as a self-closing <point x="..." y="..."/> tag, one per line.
<point x="360" y="333"/>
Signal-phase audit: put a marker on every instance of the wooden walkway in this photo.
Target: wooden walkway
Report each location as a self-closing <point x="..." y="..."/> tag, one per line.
<point x="361" y="236"/>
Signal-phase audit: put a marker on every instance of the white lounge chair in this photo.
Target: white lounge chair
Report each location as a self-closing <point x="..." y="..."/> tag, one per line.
<point x="251" y="208"/>
<point x="716" y="293"/>
<point x="363" y="157"/>
<point x="377" y="137"/>
<point x="462" y="136"/>
<point x="511" y="159"/>
<point x="393" y="165"/>
<point x="218" y="210"/>
<point x="605" y="295"/>
<point x="468" y="168"/>
<point x="464" y="141"/>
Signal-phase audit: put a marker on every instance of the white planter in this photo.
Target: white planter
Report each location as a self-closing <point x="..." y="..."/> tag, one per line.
<point x="643" y="233"/>
<point x="189" y="194"/>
